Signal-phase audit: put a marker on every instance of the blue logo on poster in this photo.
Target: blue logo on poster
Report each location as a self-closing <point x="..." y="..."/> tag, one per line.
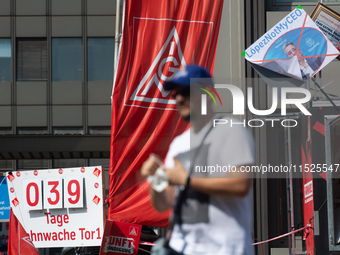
<point x="4" y="200"/>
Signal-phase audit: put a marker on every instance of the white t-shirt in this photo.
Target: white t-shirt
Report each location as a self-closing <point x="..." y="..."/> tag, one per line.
<point x="214" y="224"/>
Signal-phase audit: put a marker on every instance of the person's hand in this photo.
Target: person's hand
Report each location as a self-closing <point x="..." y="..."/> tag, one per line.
<point x="150" y="166"/>
<point x="177" y="175"/>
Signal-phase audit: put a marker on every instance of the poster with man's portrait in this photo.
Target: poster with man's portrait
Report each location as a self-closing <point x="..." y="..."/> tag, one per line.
<point x="294" y="47"/>
<point x="329" y="23"/>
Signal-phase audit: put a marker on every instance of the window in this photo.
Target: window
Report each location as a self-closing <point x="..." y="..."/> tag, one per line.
<point x="66" y="59"/>
<point x="99" y="130"/>
<point x="31" y="59"/>
<point x="6" y="165"/>
<point x="32" y="130"/>
<point x="68" y="131"/>
<point x="100" y="54"/>
<point x="66" y="163"/>
<point x="105" y="162"/>
<point x="29" y="164"/>
<point x="5" y="60"/>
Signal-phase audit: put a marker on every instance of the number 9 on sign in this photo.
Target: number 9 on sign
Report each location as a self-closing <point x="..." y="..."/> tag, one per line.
<point x="73" y="192"/>
<point x="33" y="194"/>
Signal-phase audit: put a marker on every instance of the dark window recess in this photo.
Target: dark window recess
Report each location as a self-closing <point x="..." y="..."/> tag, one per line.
<point x="28" y="164"/>
<point x="31" y="59"/>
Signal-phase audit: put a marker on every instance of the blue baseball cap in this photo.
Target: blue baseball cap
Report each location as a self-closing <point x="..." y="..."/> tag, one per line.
<point x="182" y="78"/>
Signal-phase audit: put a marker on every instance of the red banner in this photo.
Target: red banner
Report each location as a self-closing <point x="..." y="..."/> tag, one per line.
<point x="19" y="242"/>
<point x="159" y="38"/>
<point x="120" y="238"/>
<point x="308" y="194"/>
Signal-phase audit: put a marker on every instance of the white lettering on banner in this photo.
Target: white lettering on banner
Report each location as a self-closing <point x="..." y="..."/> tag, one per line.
<point x="119" y="244"/>
<point x="308" y="200"/>
<point x="266" y="38"/>
<point x="159" y="76"/>
<point x="308" y="189"/>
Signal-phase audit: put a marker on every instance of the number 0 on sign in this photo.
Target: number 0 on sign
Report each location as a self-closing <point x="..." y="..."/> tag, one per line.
<point x="33" y="194"/>
<point x="73" y="192"/>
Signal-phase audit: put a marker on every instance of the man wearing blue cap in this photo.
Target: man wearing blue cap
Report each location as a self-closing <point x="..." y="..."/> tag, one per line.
<point x="213" y="210"/>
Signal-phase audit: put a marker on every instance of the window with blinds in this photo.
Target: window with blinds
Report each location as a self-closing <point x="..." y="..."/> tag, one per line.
<point x="31" y="59"/>
<point x="5" y="60"/>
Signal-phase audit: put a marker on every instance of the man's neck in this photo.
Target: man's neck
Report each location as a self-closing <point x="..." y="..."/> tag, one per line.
<point x="199" y="122"/>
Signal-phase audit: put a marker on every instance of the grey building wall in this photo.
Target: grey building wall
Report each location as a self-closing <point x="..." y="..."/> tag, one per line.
<point x="49" y="110"/>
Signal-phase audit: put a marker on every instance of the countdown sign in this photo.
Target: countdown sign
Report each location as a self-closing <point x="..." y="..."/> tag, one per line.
<point x="59" y="207"/>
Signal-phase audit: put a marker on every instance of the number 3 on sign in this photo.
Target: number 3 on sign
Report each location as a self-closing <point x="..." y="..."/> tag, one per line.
<point x="73" y="192"/>
<point x="33" y="194"/>
<point x="53" y="193"/>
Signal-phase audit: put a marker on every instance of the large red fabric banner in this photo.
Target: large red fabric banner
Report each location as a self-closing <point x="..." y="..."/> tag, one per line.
<point x="19" y="242"/>
<point x="159" y="38"/>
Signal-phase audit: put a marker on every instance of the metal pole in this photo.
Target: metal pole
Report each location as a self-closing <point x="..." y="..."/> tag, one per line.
<point x="289" y="184"/>
<point x="117" y="37"/>
<point x="287" y="190"/>
<point x="291" y="190"/>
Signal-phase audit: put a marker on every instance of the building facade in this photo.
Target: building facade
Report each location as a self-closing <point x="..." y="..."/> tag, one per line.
<point x="56" y="65"/>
